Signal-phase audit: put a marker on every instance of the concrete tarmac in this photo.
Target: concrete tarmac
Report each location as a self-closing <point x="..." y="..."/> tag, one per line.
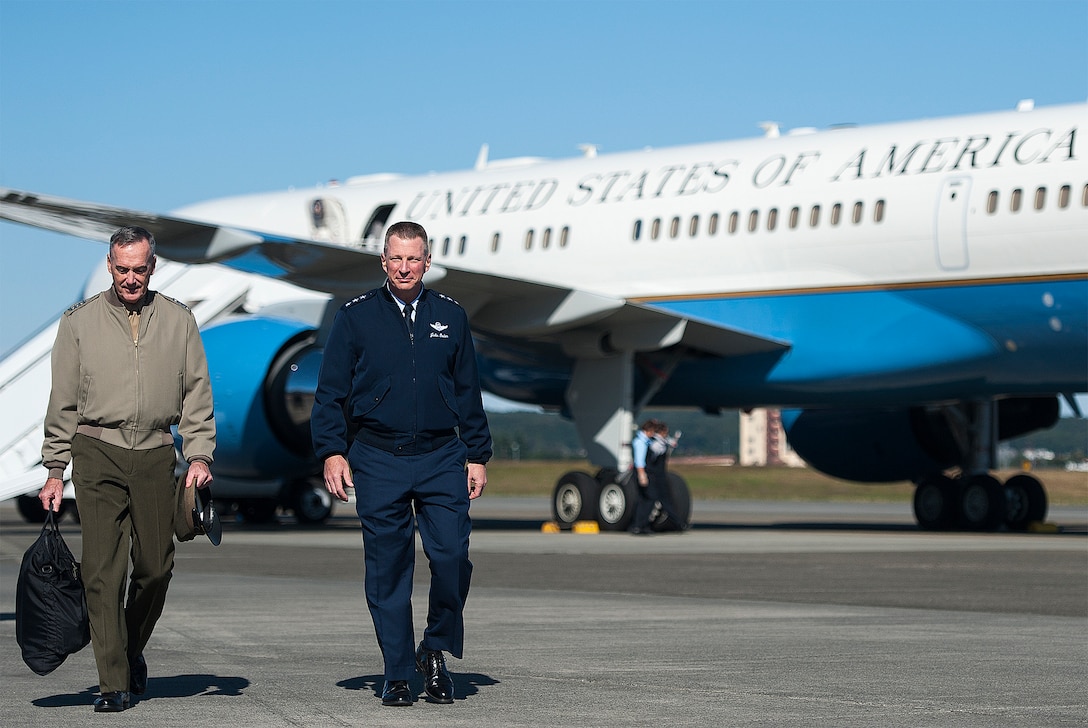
<point x="782" y="614"/>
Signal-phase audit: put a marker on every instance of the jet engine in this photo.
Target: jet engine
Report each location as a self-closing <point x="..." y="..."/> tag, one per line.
<point x="886" y="445"/>
<point x="264" y="374"/>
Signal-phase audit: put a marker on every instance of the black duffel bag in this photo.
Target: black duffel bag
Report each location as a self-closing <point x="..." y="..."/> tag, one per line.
<point x="50" y="604"/>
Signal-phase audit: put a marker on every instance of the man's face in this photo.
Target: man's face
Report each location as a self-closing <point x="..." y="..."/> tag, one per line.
<point x="131" y="267"/>
<point x="405" y="262"/>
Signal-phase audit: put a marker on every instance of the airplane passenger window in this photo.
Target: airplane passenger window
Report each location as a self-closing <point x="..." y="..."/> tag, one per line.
<point x="546" y="238"/>
<point x="772" y="218"/>
<point x="857" y="212"/>
<point x="836" y="213"/>
<point x="878" y="211"/>
<point x="991" y="202"/>
<point x="712" y="225"/>
<point x="529" y="239"/>
<point x="461" y="247"/>
<point x="814" y="216"/>
<point x="795" y="216"/>
<point x="655" y="228"/>
<point x="1063" y="196"/>
<point x="674" y="227"/>
<point x="495" y="243"/>
<point x="1084" y="197"/>
<point x="564" y="236"/>
<point x="753" y="220"/>
<point x="1040" y="198"/>
<point x="693" y="227"/>
<point x="636" y="231"/>
<point x="1014" y="200"/>
<point x="734" y="218"/>
<point x="445" y="246"/>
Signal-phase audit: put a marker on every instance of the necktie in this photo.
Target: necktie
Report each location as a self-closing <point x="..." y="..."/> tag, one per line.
<point x="408" y="317"/>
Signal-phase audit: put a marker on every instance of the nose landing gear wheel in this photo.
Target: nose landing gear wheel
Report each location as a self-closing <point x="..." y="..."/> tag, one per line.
<point x="575" y="498"/>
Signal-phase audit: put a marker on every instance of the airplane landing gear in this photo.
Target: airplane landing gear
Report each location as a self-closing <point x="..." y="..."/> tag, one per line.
<point x="1026" y="502"/>
<point x="976" y="500"/>
<point x="610" y="499"/>
<point x="575" y="499"/>
<point x="935" y="503"/>
<point x="982" y="503"/>
<point x="979" y="503"/>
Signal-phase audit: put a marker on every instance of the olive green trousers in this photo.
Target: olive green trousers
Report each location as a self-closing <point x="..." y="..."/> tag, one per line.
<point x="126" y="510"/>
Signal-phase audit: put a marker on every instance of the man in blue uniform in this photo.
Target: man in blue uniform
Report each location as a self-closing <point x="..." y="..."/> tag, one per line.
<point x="400" y="368"/>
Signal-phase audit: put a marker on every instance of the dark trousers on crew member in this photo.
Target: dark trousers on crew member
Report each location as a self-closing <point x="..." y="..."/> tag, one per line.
<point x="388" y="488"/>
<point x="126" y="507"/>
<point x="652" y="493"/>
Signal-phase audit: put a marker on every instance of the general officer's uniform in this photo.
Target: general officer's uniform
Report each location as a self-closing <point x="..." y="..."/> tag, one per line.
<point x="120" y="380"/>
<point x="409" y="385"/>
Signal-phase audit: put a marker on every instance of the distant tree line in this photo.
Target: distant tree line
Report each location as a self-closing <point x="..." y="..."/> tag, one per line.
<point x="548" y="436"/>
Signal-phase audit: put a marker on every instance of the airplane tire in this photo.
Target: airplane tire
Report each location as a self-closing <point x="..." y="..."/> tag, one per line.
<point x="575" y="498"/>
<point x="30" y="508"/>
<point x="258" y="510"/>
<point x="1026" y="500"/>
<point x="312" y="503"/>
<point x="935" y="503"/>
<point x="616" y="505"/>
<point x="681" y="502"/>
<point x="983" y="504"/>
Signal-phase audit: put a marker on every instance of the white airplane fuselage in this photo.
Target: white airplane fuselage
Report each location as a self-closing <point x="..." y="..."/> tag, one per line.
<point x="944" y="256"/>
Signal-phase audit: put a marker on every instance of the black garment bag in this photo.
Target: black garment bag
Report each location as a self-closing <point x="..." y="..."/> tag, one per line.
<point x="50" y="604"/>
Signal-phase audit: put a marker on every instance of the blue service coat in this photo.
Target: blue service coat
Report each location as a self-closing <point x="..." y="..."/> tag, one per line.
<point x="396" y="386"/>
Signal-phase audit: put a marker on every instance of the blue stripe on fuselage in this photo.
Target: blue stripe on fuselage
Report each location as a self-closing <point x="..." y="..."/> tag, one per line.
<point x="1025" y="335"/>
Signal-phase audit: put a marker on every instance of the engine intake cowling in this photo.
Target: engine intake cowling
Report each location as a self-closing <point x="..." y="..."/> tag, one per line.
<point x="264" y="374"/>
<point x="909" y="443"/>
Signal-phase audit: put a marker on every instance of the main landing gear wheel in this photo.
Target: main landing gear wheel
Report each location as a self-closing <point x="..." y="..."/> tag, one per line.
<point x="30" y="508"/>
<point x="575" y="498"/>
<point x="1026" y="501"/>
<point x="935" y="503"/>
<point x="982" y="503"/>
<point x="312" y="504"/>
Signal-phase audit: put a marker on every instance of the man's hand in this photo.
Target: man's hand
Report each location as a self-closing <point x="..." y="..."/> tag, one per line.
<point x="338" y="476"/>
<point x="477" y="479"/>
<point x="199" y="475"/>
<point x="51" y="494"/>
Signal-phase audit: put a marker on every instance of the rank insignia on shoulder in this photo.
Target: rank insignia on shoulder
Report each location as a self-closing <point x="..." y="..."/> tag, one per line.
<point x="359" y="299"/>
<point x="172" y="300"/>
<point x="81" y="304"/>
<point x="446" y="298"/>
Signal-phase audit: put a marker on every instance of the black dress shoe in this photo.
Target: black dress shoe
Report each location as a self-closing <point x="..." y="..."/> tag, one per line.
<point x="396" y="692"/>
<point x="137" y="675"/>
<point x="437" y="683"/>
<point x="112" y="702"/>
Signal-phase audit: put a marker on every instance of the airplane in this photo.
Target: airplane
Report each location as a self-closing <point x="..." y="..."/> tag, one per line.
<point x="908" y="294"/>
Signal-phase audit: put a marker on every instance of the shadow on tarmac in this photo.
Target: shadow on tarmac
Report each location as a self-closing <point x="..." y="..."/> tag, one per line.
<point x="179" y="686"/>
<point x="465" y="684"/>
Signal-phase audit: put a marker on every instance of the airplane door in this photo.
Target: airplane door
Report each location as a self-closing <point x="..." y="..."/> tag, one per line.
<point x="952" y="223"/>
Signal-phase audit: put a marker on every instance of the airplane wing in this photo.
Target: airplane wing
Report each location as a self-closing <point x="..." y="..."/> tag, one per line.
<point x="583" y="322"/>
<point x="336" y="269"/>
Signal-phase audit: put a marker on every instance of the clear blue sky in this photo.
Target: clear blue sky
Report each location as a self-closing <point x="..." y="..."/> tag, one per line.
<point x="156" y="104"/>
